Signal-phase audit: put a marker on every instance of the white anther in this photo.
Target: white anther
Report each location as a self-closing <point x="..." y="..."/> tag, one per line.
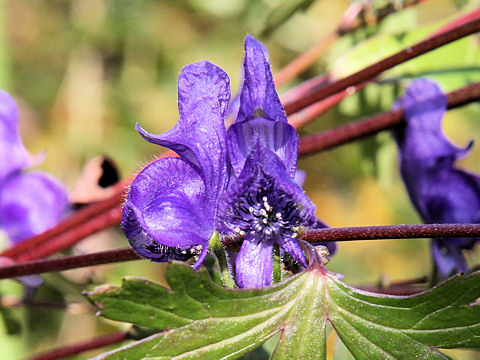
<point x="242" y="232"/>
<point x="250" y="209"/>
<point x="237" y="230"/>
<point x="278" y="215"/>
<point x="267" y="206"/>
<point x="294" y="235"/>
<point x="295" y="228"/>
<point x="263" y="212"/>
<point x="184" y="252"/>
<point x="265" y="198"/>
<point x="265" y="221"/>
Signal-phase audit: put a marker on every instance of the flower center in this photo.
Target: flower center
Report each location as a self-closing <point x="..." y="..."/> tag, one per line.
<point x="263" y="210"/>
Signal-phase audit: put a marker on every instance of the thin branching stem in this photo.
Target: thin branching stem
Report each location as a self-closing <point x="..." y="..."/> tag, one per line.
<point x="68" y="262"/>
<point x="233" y="244"/>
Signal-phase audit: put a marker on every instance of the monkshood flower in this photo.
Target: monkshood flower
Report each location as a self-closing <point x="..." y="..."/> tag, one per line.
<point x="239" y="182"/>
<point x="440" y="192"/>
<point x="30" y="202"/>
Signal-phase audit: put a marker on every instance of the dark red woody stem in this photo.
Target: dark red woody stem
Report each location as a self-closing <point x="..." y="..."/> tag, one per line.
<point x="359" y="129"/>
<point x="392" y="232"/>
<point x="312" y="236"/>
<point x="36" y="246"/>
<point x="80" y="347"/>
<point x="372" y="71"/>
<point x="68" y="262"/>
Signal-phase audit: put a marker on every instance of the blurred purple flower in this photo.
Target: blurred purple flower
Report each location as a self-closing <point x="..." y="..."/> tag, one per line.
<point x="236" y="182"/>
<point x="30" y="202"/>
<point x="440" y="192"/>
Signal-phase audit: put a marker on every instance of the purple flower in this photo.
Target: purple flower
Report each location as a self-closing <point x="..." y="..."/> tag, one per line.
<point x="440" y="192"/>
<point x="237" y="182"/>
<point x="30" y="202"/>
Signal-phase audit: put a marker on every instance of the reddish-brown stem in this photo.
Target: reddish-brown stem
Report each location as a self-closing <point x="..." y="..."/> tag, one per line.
<point x="359" y="129"/>
<point x="302" y="117"/>
<point x="393" y="290"/>
<point x="233" y="244"/>
<point x="80" y="347"/>
<point x="392" y="232"/>
<point x="68" y="262"/>
<point x="372" y="71"/>
<point x="305" y="60"/>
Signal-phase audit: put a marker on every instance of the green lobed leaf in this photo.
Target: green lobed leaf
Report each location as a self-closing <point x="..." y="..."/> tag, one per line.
<point x="209" y="322"/>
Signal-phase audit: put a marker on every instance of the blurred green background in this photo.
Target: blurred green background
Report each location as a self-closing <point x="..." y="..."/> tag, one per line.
<point x="85" y="71"/>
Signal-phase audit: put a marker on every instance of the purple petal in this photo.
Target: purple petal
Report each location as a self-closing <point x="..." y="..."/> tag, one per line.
<point x="261" y="117"/>
<point x="166" y="211"/>
<point x="199" y="136"/>
<point x="30" y="204"/>
<point x="293" y="248"/>
<point x="13" y="156"/>
<point x="254" y="264"/>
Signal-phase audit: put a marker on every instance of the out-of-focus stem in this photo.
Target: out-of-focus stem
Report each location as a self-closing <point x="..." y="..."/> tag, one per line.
<point x="302" y="117"/>
<point x="68" y="262"/>
<point x="372" y="71"/>
<point x="80" y="347"/>
<point x="305" y="60"/>
<point x="31" y="248"/>
<point x="351" y="21"/>
<point x="359" y="129"/>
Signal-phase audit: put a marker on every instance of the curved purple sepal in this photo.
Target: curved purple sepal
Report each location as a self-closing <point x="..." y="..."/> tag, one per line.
<point x="199" y="136"/>
<point x="31" y="203"/>
<point x="166" y="214"/>
<point x="13" y="155"/>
